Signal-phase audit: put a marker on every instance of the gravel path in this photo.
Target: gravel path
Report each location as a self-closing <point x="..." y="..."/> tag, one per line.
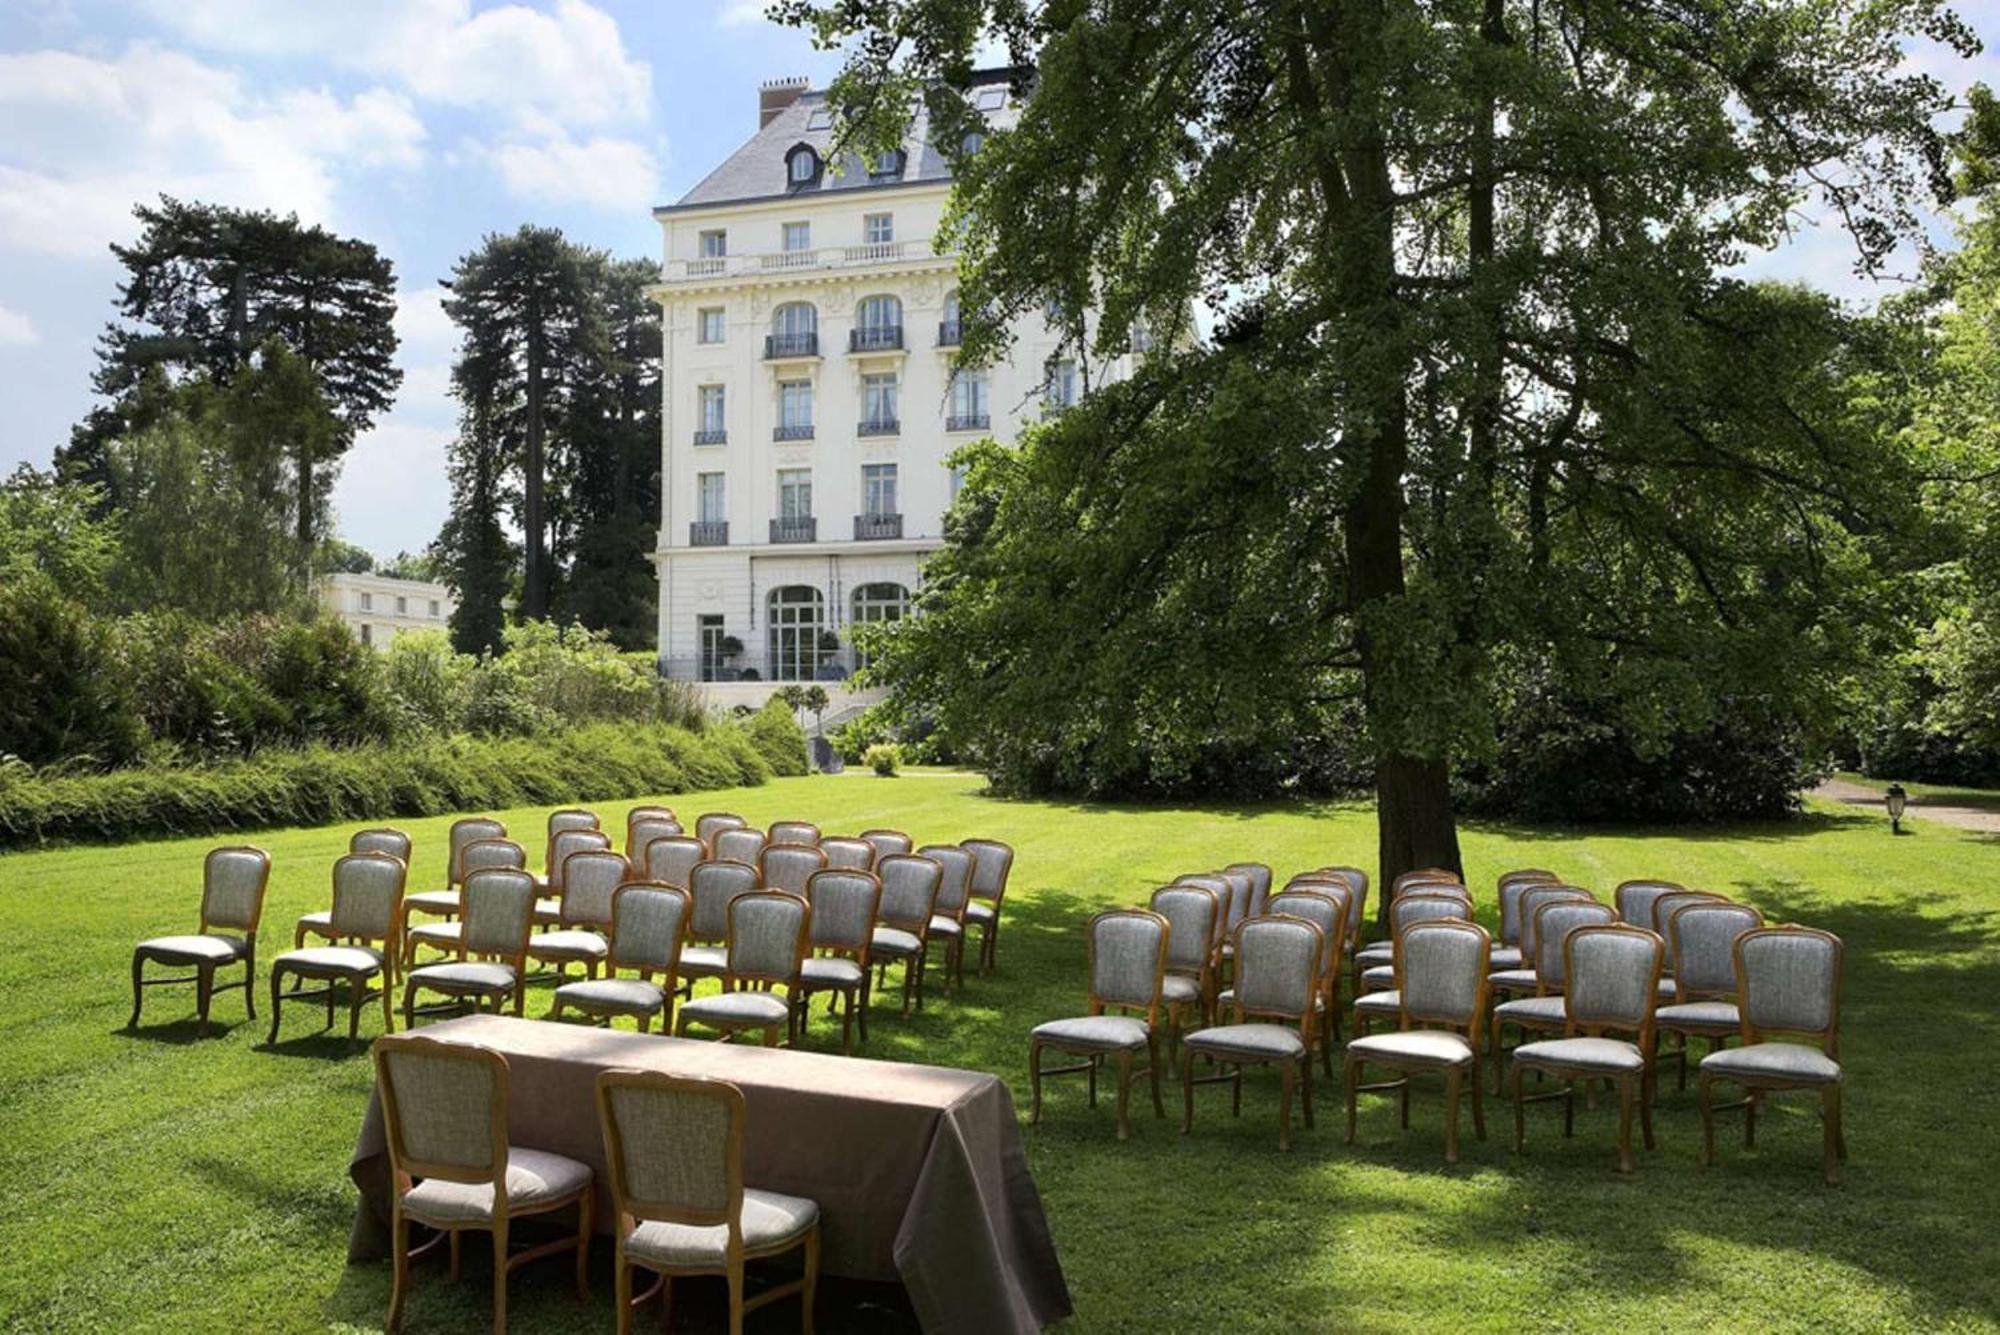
<point x="1860" y="795"/>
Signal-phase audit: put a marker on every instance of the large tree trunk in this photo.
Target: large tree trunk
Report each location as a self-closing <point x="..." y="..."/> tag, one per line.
<point x="534" y="582"/>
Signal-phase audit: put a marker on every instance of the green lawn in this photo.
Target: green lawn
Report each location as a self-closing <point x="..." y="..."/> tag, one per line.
<point x="157" y="1182"/>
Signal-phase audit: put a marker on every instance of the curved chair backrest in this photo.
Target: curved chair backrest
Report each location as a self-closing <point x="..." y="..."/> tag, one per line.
<point x="713" y="886"/>
<point x="1127" y="951"/>
<point x="1423" y="875"/>
<point x="1356" y="881"/>
<point x="444" y="1108"/>
<point x="711" y="823"/>
<point x="489" y="855"/>
<point x="909" y="890"/>
<point x="1513" y="886"/>
<point x="567" y="842"/>
<point x="992" y="862"/>
<point x="590" y="881"/>
<point x="1241" y="886"/>
<point x="1635" y="899"/>
<point x="649" y="811"/>
<point x="1788" y="982"/>
<point x="640" y="834"/>
<point x="1260" y="884"/>
<point x="572" y="818"/>
<point x="888" y="841"/>
<point x="464" y="834"/>
<point x="1554" y="921"/>
<point x="738" y="843"/>
<point x="955" y="888"/>
<point x="793" y="832"/>
<point x="382" y="839"/>
<point x="499" y="912"/>
<point x="1441" y="973"/>
<point x="1190" y="912"/>
<point x="1280" y="963"/>
<point x="1218" y="887"/>
<point x="845" y="854"/>
<point x="233" y="881"/>
<point x="673" y="1147"/>
<point x="844" y="907"/>
<point x="1532" y="900"/>
<point x="1614" y="974"/>
<point x="768" y="930"/>
<point x="1527" y="876"/>
<point x="1703" y="936"/>
<point x="789" y="867"/>
<point x="367" y="896"/>
<point x="1414" y="906"/>
<point x="672" y="859"/>
<point x="1327" y="912"/>
<point x="1666" y="906"/>
<point x="648" y="924"/>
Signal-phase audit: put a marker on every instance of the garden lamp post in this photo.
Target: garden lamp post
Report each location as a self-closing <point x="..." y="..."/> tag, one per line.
<point x="1896" y="799"/>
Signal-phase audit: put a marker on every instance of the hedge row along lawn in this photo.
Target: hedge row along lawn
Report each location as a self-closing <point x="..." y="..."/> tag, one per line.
<point x="159" y="1182"/>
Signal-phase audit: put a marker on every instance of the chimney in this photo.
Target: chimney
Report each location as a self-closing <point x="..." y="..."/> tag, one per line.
<point x="775" y="95"/>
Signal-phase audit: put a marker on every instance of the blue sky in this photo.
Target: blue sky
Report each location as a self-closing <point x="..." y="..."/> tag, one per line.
<point x="420" y="125"/>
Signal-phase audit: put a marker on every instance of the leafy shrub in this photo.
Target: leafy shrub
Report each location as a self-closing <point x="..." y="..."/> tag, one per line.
<point x="778" y="738"/>
<point x="62" y="696"/>
<point x="882" y="758"/>
<point x="192" y="698"/>
<point x="429" y="685"/>
<point x="917" y="743"/>
<point x="318" y="784"/>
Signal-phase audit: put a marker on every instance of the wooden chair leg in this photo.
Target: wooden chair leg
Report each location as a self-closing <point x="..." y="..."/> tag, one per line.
<point x="621" y="1278"/>
<point x="736" y="1301"/>
<point x="1035" y="1083"/>
<point x="1750" y="1119"/>
<point x="1520" y="1113"/>
<point x="204" y="991"/>
<point x="1349" y="1070"/>
<point x="1706" y="1085"/>
<point x="585" y="1209"/>
<point x="1187" y="1093"/>
<point x="1306" y="1075"/>
<point x="138" y="987"/>
<point x="399" y="1274"/>
<point x="1285" y="1106"/>
<point x="277" y="1002"/>
<point x="500" y="1276"/>
<point x="811" y="1279"/>
<point x="250" y="978"/>
<point x="1153" y="1074"/>
<point x="1835" y="1150"/>
<point x="1478" y="1099"/>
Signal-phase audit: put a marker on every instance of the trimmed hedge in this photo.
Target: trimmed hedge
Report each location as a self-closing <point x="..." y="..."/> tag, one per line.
<point x="318" y="785"/>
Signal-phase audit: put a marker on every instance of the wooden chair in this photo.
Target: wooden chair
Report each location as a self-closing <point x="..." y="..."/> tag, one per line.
<point x="1281" y="963"/>
<point x="909" y="898"/>
<point x="1260" y="884"/>
<point x="548" y="909"/>
<point x="444" y="1114"/>
<point x="444" y="903"/>
<point x="1441" y="987"/>
<point x="992" y="863"/>
<point x="1545" y="1012"/>
<point x="567" y="818"/>
<point x="233" y="882"/>
<point x="648" y="811"/>
<point x="1520" y="981"/>
<point x="712" y="888"/>
<point x="1507" y="954"/>
<point x="711" y="823"/>
<point x="789" y="867"/>
<point x="794" y="832"/>
<point x="367" y="909"/>
<point x="768" y="931"/>
<point x="1788" y="987"/>
<point x="845" y="854"/>
<point x="1326" y="909"/>
<point x="1235" y="911"/>
<point x="641" y="834"/>
<point x="1126" y="956"/>
<point x="844" y="907"/>
<point x="1190" y="912"/>
<point x="1662" y="910"/>
<point x="673" y="1146"/>
<point x="1635" y="899"/>
<point x="1431" y="901"/>
<point x="948" y="916"/>
<point x="480" y="855"/>
<point x="648" y="924"/>
<point x="590" y="881"/>
<point x="1701" y="937"/>
<point x="1611" y="973"/>
<point x="738" y="843"/>
<point x="888" y="842"/>
<point x="671" y="859"/>
<point x="491" y="965"/>
<point x="381" y="840"/>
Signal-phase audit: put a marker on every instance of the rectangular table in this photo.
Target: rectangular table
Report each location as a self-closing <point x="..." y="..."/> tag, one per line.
<point x="918" y="1170"/>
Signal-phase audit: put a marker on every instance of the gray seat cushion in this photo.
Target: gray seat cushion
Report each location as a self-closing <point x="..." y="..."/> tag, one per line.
<point x="464" y="976"/>
<point x="830" y="971"/>
<point x="1258" y="1042"/>
<point x="1504" y="957"/>
<point x="1179" y="987"/>
<point x="1379" y="953"/>
<point x="1716" y="1016"/>
<point x="434" y="901"/>
<point x="1413" y="1047"/>
<point x="731" y="1010"/>
<point x="1533" y="1010"/>
<point x="613" y="996"/>
<point x="214" y="948"/>
<point x="895" y="941"/>
<point x="770" y="1223"/>
<point x="358" y="960"/>
<point x="534" y="1178"/>
<point x="444" y="935"/>
<point x="1380" y="1003"/>
<point x="568" y="945"/>
<point x="1380" y="975"/>
<point x="1095" y="1033"/>
<point x="321" y="922"/>
<point x="943" y="926"/>
<point x="978" y="911"/>
<point x="1766" y="1062"/>
<point x="1511" y="980"/>
<point x="1612" y="1055"/>
<point x="548" y="912"/>
<point x="705" y="961"/>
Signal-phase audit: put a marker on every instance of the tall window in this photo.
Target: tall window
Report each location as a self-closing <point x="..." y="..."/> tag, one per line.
<point x="367" y="602"/>
<point x="795" y="406"/>
<point x="802" y="165"/>
<point x="875" y="604"/>
<point x="712" y="408"/>
<point x="878" y="490"/>
<point x="709" y="327"/>
<point x="880" y="315"/>
<point x="794" y="330"/>
<point x="708" y="493"/>
<point x="1061" y="391"/>
<point x="798" y="236"/>
<point x="797" y="615"/>
<point x="434" y="609"/>
<point x="878" y="229"/>
<point x="878" y="399"/>
<point x="968" y="401"/>
<point x="708" y="633"/>
<point x="714" y="244"/>
<point x="957" y="480"/>
<point x="795" y="493"/>
<point x="402" y="605"/>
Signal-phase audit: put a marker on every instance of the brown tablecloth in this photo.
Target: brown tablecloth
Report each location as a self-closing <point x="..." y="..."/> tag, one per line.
<point x="918" y="1170"/>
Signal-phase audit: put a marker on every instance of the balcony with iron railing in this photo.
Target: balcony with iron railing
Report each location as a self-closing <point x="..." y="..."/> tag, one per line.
<point x="968" y="422"/>
<point x="794" y="528"/>
<point x="878" y="426"/>
<point x="791" y="261"/>
<point x="950" y="333"/>
<point x="780" y="347"/>
<point x="713" y="435"/>
<point x="794" y="432"/>
<point x="876" y="338"/>
<point x="876" y="527"/>
<point x="708" y="533"/>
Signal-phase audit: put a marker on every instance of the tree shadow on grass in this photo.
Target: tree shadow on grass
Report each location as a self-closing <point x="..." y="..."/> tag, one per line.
<point x="183" y="1032"/>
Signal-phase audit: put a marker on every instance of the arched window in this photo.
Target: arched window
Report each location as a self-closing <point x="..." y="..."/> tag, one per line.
<point x="801" y="165"/>
<point x="876" y="604"/>
<point x="971" y="143"/>
<point x="878" y="324"/>
<point x="886" y="165"/>
<point x="797" y="618"/>
<point x="951" y="329"/>
<point x="794" y="329"/>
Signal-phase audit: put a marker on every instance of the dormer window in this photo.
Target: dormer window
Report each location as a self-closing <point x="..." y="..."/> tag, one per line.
<point x="801" y="165"/>
<point x="887" y="166"/>
<point x="971" y="143"/>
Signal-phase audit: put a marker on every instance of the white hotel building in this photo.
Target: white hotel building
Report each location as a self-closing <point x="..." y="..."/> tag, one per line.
<point x="811" y="399"/>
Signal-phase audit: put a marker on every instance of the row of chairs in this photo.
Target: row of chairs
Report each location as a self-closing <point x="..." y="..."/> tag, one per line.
<point x="673" y="1147"/>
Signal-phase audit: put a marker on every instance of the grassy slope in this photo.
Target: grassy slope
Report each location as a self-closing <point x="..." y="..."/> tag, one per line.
<point x="161" y="1183"/>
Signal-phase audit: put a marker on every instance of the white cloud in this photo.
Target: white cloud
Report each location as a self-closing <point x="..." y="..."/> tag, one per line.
<point x="84" y="139"/>
<point x="16" y="329"/>
<point x="617" y="175"/>
<point x="741" y="13"/>
<point x="568" y="62"/>
<point x="394" y="493"/>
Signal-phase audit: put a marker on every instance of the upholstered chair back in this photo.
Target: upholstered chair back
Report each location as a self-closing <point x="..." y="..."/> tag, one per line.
<point x="738" y="843"/>
<point x="674" y="1146"/>
<point x="888" y="841"/>
<point x="1279" y="963"/>
<point x="1667" y="905"/>
<point x="992" y="861"/>
<point x="713" y="886"/>
<point x="767" y="936"/>
<point x="648" y="924"/>
<point x="1190" y="912"/>
<point x="590" y="880"/>
<point x="1328" y="912"/>
<point x="381" y="840"/>
<point x="794" y="832"/>
<point x="1532" y="900"/>
<point x="467" y="832"/>
<point x="488" y="854"/>
<point x="1260" y="884"/>
<point x="1701" y="940"/>
<point x="711" y="823"/>
<point x="844" y="907"/>
<point x="1553" y="924"/>
<point x="1613" y="971"/>
<point x="1128" y="958"/>
<point x="909" y="890"/>
<point x="367" y="895"/>
<point x="640" y="834"/>
<point x="444" y="1107"/>
<point x="499" y="911"/>
<point x="845" y="854"/>
<point x="1441" y="972"/>
<point x="571" y="818"/>
<point x="672" y="858"/>
<point x="566" y="842"/>
<point x="233" y="881"/>
<point x="1788" y="982"/>
<point x="955" y="887"/>
<point x="788" y="867"/>
<point x="1635" y="899"/>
